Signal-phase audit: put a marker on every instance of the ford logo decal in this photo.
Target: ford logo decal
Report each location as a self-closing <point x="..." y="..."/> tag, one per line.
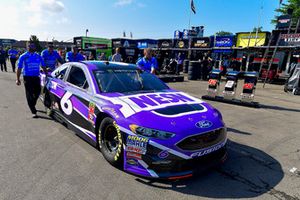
<point x="204" y="124"/>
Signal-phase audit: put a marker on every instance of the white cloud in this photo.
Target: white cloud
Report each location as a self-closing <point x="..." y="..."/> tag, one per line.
<point x="41" y="8"/>
<point x="123" y="2"/>
<point x="53" y="6"/>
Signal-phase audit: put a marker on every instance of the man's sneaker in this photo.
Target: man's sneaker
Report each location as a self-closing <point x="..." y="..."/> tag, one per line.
<point x="34" y="116"/>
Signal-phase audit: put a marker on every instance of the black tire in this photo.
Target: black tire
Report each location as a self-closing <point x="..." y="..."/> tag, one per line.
<point x="110" y="142"/>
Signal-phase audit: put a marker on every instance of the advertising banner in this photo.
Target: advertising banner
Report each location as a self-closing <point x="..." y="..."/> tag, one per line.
<point x="250" y="39"/>
<point x="165" y="43"/>
<point x="224" y="41"/>
<point x="290" y="39"/>
<point x="181" y="44"/>
<point x="178" y="34"/>
<point x="126" y="43"/>
<point x="146" y="43"/>
<point x="283" y="21"/>
<point x="203" y="42"/>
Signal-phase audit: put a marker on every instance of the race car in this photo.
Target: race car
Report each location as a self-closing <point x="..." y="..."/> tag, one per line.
<point x="136" y="120"/>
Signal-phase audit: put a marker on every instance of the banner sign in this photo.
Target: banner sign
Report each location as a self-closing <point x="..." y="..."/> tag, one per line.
<point x="250" y="39"/>
<point x="290" y="39"/>
<point x="200" y="42"/>
<point x="181" y="44"/>
<point x="146" y="43"/>
<point x="178" y="34"/>
<point x="283" y="21"/>
<point x="167" y="43"/>
<point x="224" y="41"/>
<point x="126" y="43"/>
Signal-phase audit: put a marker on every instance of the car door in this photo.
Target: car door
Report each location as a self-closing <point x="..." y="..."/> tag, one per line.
<point x="76" y="102"/>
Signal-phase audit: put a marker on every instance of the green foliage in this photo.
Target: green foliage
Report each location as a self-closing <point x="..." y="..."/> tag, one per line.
<point x="35" y="40"/>
<point x="259" y="29"/>
<point x="291" y="4"/>
<point x="223" y="33"/>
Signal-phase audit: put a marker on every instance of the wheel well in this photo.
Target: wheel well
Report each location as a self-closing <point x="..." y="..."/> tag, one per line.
<point x="99" y="119"/>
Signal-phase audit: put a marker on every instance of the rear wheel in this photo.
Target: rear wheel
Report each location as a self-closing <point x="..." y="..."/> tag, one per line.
<point x="110" y="142"/>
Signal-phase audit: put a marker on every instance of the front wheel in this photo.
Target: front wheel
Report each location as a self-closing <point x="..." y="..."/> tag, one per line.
<point x="110" y="141"/>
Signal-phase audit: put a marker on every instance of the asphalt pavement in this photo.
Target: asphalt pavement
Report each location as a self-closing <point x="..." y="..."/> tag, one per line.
<point x="42" y="159"/>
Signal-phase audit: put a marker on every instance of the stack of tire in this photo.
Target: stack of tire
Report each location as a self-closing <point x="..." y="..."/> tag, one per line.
<point x="186" y="66"/>
<point x="194" y="70"/>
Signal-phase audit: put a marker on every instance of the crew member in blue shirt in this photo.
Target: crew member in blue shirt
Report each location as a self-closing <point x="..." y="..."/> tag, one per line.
<point x="148" y="62"/>
<point x="3" y="57"/>
<point x="51" y="57"/>
<point x="74" y="55"/>
<point x="13" y="56"/>
<point x="31" y="62"/>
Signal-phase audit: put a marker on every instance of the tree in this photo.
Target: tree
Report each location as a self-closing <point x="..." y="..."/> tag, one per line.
<point x="283" y="10"/>
<point x="223" y="33"/>
<point x="35" y="40"/>
<point x="259" y="29"/>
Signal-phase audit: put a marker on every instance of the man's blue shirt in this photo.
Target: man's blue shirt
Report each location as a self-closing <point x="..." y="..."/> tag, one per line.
<point x="50" y="59"/>
<point x="146" y="64"/>
<point x="30" y="63"/>
<point x="13" y="53"/>
<point x="70" y="57"/>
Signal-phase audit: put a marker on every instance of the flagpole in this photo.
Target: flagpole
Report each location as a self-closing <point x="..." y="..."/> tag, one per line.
<point x="189" y="52"/>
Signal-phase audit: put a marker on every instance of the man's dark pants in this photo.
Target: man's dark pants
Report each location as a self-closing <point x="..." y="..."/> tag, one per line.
<point x="13" y="63"/>
<point x="3" y="65"/>
<point x="33" y="89"/>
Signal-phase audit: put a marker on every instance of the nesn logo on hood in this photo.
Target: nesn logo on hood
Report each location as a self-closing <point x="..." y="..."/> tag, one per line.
<point x="204" y="124"/>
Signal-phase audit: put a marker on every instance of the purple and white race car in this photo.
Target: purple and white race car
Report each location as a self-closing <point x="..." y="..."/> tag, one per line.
<point x="137" y="121"/>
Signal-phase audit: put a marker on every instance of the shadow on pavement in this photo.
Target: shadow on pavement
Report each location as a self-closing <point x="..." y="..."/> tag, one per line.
<point x="279" y="108"/>
<point x="238" y="131"/>
<point x="248" y="173"/>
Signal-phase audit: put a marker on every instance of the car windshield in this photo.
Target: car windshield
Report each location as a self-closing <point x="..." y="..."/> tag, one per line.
<point x="127" y="81"/>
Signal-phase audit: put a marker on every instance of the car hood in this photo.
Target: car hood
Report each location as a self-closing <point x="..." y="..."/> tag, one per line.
<point x="170" y="110"/>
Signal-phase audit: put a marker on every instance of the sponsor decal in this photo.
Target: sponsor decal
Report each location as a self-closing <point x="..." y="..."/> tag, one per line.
<point x="207" y="151"/>
<point x="229" y="84"/>
<point x="154" y="100"/>
<point x="132" y="162"/>
<point x="163" y="154"/>
<point x="134" y="155"/>
<point x="165" y="44"/>
<point x="91" y="112"/>
<point x="204" y="124"/>
<point x="112" y="111"/>
<point x="136" y="144"/>
<point x="180" y="44"/>
<point x="126" y="44"/>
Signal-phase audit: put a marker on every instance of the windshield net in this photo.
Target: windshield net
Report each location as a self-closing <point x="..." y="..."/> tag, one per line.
<point x="126" y="81"/>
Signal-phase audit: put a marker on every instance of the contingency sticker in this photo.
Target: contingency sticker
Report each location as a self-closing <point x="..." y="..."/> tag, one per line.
<point x="136" y="144"/>
<point x="91" y="112"/>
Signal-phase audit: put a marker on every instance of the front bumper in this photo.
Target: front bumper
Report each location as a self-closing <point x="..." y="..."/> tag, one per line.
<point x="172" y="167"/>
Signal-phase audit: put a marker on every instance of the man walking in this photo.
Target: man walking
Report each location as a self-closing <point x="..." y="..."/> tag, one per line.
<point x="51" y="57"/>
<point x="31" y="62"/>
<point x="3" y="57"/>
<point x="117" y="57"/>
<point x="13" y="55"/>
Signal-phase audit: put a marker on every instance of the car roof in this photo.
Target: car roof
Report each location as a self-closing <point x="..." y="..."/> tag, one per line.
<point x="102" y="65"/>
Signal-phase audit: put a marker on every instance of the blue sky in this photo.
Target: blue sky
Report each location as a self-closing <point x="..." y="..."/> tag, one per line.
<point x="64" y="19"/>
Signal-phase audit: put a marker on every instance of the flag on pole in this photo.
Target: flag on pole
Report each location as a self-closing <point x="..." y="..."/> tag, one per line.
<point x="193" y="8"/>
